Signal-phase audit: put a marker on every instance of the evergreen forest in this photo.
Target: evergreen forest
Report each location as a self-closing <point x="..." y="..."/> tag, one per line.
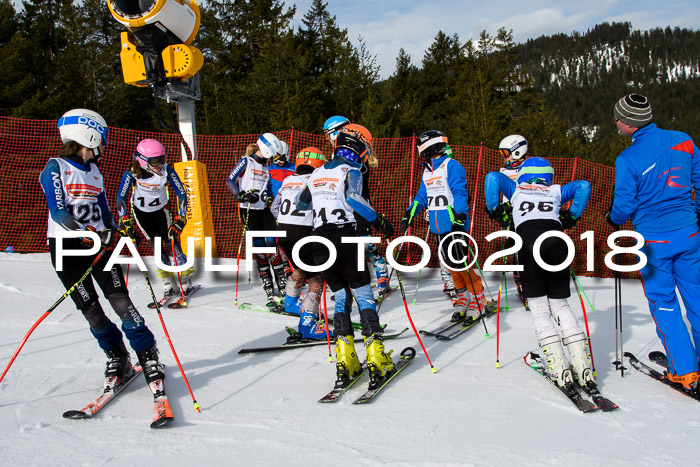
<point x="262" y="74"/>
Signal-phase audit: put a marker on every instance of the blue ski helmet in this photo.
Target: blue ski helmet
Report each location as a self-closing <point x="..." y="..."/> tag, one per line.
<point x="332" y="126"/>
<point x="536" y="170"/>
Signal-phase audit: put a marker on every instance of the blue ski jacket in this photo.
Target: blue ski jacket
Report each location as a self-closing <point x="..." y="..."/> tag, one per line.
<point x="654" y="181"/>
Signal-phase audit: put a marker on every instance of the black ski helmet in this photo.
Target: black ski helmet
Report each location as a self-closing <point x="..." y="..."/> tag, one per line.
<point x="431" y="143"/>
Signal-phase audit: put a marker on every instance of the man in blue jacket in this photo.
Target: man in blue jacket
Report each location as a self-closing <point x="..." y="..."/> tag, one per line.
<point x="653" y="185"/>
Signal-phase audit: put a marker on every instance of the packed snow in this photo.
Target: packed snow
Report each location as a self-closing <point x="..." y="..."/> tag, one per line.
<point x="262" y="409"/>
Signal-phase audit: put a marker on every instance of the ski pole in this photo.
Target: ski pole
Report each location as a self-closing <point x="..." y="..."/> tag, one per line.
<point x="619" y="308"/>
<point x="179" y="279"/>
<point x="584" y="292"/>
<point x="53" y="307"/>
<point x="415" y="296"/>
<point x="619" y="363"/>
<point x="328" y="334"/>
<point x="498" y="322"/>
<point x="238" y="255"/>
<point x="410" y="320"/>
<point x="585" y="320"/>
<point x="482" y="312"/>
<point x="197" y="407"/>
<point x="481" y="273"/>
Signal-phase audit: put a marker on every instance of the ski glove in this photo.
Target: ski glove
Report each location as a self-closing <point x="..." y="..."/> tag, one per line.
<point x="250" y="196"/>
<point x="126" y="227"/>
<point x="108" y="238"/>
<point x="383" y="225"/>
<point x="567" y="220"/>
<point x="177" y="226"/>
<point x="608" y="219"/>
<point x="408" y="219"/>
<point x="458" y="221"/>
<point x="502" y="214"/>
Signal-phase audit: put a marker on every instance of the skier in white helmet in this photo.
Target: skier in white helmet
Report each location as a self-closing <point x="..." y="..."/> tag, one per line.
<point x="74" y="190"/>
<point x="249" y="182"/>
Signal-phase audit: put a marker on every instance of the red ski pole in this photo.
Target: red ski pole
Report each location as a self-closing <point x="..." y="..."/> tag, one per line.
<point x="498" y="322"/>
<point x="328" y="334"/>
<point x="197" y="407"/>
<point x="53" y="307"/>
<point x="238" y="255"/>
<point x="585" y="320"/>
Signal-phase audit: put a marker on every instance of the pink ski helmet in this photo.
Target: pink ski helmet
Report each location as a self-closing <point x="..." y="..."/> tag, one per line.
<point x="150" y="152"/>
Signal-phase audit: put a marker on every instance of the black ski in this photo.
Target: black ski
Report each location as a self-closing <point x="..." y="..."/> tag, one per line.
<point x="657" y="375"/>
<point x="441" y="329"/>
<point x="533" y="360"/>
<point x="591" y="389"/>
<point x="310" y="343"/>
<point x="467" y="324"/>
<point x="407" y="355"/>
<point x="182" y="301"/>
<point x="489" y="306"/>
<point x="107" y="395"/>
<point x="342" y="387"/>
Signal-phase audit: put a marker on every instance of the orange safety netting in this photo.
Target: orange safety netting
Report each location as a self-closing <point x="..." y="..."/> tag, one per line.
<point x="26" y="145"/>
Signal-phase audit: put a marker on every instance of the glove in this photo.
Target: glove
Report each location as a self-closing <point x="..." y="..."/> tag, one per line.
<point x="608" y="219"/>
<point x="268" y="201"/>
<point x="250" y="196"/>
<point x="126" y="227"/>
<point x="502" y="214"/>
<point x="108" y="238"/>
<point x="458" y="222"/>
<point x="383" y="225"/>
<point x="176" y="226"/>
<point x="567" y="220"/>
<point x="407" y="220"/>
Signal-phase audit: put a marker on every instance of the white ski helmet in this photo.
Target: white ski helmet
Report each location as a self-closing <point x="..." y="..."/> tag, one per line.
<point x="513" y="145"/>
<point x="83" y="126"/>
<point x="269" y="145"/>
<point x="283" y="156"/>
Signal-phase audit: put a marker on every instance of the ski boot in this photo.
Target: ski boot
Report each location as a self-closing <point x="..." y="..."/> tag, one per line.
<point x="459" y="305"/>
<point x="118" y="366"/>
<point x="269" y="288"/>
<point x="689" y="381"/>
<point x="281" y="279"/>
<point x="477" y="305"/>
<point x="580" y="356"/>
<point x="309" y="329"/>
<point x="154" y="372"/>
<point x="347" y="364"/>
<point x="557" y="364"/>
<point x="170" y="287"/>
<point x="378" y="362"/>
<point x="186" y="280"/>
<point x="451" y="293"/>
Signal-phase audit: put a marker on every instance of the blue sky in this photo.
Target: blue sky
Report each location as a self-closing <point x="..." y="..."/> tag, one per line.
<point x="388" y="25"/>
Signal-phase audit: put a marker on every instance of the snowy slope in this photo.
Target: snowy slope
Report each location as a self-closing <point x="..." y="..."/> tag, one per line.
<point x="262" y="410"/>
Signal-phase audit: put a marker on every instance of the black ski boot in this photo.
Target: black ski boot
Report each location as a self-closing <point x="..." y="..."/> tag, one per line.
<point x="281" y="279"/>
<point x="118" y="365"/>
<point x="153" y="370"/>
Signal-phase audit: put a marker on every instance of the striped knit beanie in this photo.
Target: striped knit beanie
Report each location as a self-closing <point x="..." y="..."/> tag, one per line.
<point x="634" y="110"/>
